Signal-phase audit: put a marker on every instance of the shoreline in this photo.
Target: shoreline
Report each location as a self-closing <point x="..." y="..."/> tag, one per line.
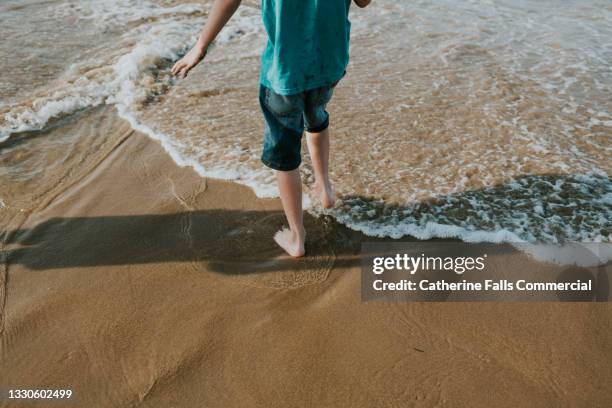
<point x="141" y="282"/>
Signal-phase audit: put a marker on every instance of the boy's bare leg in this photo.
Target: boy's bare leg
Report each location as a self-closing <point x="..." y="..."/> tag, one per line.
<point x="318" y="146"/>
<point x="290" y="188"/>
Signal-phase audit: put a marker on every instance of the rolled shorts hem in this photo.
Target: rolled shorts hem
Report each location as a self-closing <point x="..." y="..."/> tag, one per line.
<point x="320" y="128"/>
<point x="275" y="166"/>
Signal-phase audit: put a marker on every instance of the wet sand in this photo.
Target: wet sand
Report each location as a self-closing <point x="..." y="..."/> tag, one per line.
<point x="135" y="282"/>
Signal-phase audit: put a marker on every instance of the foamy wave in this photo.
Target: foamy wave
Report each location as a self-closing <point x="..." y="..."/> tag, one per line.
<point x="42" y="110"/>
<point x="559" y="211"/>
<point x="569" y="253"/>
<point x="240" y="175"/>
<point x="118" y="13"/>
<point x="130" y="74"/>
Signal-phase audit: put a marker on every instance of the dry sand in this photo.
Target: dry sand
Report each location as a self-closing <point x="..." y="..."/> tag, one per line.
<point x="139" y="283"/>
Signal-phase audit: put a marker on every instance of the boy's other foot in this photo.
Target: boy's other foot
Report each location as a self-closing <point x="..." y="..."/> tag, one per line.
<point x="325" y="194"/>
<point x="291" y="242"/>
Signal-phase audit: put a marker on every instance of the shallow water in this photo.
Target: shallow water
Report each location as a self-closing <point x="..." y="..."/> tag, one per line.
<point x="483" y="120"/>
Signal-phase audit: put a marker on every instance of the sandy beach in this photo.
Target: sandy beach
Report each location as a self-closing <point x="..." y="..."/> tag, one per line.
<point x="137" y="260"/>
<point x="136" y="282"/>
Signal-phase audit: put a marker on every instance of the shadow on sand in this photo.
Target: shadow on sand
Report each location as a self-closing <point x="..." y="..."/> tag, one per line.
<point x="230" y="242"/>
<point x="236" y="242"/>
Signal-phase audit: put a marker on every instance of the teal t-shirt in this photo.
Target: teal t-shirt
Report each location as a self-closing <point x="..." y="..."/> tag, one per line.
<point x="308" y="44"/>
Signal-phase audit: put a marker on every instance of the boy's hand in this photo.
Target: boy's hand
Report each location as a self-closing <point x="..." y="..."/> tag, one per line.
<point x="363" y="3"/>
<point x="190" y="60"/>
<point x="221" y="12"/>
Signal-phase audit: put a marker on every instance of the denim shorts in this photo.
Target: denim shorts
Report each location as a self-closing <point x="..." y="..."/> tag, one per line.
<point x="286" y="117"/>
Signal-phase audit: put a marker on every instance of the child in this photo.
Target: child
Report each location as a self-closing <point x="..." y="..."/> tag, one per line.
<point x="306" y="56"/>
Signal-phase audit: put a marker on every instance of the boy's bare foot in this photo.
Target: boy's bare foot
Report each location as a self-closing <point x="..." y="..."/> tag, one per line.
<point x="291" y="242"/>
<point x="326" y="195"/>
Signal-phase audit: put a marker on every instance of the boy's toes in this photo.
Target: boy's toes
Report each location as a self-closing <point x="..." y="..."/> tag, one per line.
<point x="284" y="239"/>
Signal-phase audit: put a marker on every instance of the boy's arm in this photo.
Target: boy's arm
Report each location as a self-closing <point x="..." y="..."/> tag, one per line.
<point x="363" y="3"/>
<point x="221" y="12"/>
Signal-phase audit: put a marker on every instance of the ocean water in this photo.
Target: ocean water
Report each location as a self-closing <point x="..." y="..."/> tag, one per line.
<point x="481" y="120"/>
